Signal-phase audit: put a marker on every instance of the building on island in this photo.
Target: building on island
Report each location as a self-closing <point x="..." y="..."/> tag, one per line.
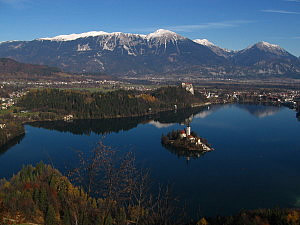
<point x="188" y="87"/>
<point x="188" y="130"/>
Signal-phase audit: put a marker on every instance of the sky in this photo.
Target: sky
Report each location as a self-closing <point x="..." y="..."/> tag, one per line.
<point x="231" y="24"/>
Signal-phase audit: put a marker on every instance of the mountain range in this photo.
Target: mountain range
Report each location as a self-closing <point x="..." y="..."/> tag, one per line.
<point x="161" y="52"/>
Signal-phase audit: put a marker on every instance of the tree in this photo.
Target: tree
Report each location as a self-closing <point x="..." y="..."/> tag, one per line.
<point x="43" y="200"/>
<point x="50" y="216"/>
<point x="66" y="217"/>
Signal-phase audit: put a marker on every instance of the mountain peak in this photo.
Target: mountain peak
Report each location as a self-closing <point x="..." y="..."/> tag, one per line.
<point x="204" y="42"/>
<point x="267" y="44"/>
<point x="162" y="33"/>
<point x="267" y="47"/>
<point x="263" y="45"/>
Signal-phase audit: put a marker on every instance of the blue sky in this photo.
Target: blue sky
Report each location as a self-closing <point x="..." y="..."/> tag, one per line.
<point x="232" y="24"/>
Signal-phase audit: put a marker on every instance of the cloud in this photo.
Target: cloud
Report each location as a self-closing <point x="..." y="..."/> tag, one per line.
<point x="292" y="1"/>
<point x="211" y="25"/>
<point x="279" y="11"/>
<point x="195" y="27"/>
<point x="20" y="4"/>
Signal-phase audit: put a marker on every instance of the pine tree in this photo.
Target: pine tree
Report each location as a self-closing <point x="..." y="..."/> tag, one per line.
<point x="36" y="195"/>
<point x="66" y="217"/>
<point x="108" y="220"/>
<point x="121" y="217"/>
<point x="50" y="216"/>
<point x="43" y="200"/>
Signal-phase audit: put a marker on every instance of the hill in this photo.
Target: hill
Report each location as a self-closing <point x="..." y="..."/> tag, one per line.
<point x="42" y="195"/>
<point x="11" y="69"/>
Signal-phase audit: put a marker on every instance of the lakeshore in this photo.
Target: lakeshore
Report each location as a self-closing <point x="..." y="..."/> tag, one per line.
<point x="250" y="141"/>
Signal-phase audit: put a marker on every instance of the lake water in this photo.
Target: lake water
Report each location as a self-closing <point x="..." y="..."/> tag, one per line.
<point x="255" y="163"/>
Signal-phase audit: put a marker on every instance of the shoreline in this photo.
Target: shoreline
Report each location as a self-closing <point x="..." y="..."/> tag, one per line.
<point x="23" y="121"/>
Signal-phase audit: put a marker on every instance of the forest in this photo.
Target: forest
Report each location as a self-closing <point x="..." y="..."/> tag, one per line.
<point x="55" y="104"/>
<point x="10" y="131"/>
<point x="107" y="192"/>
<point x="107" y="189"/>
<point x="120" y="103"/>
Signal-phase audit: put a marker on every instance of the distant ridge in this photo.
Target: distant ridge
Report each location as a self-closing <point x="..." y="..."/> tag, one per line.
<point x="13" y="69"/>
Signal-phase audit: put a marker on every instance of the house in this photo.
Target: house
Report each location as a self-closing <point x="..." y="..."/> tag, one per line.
<point x="182" y="134"/>
<point x="191" y="138"/>
<point x="68" y="117"/>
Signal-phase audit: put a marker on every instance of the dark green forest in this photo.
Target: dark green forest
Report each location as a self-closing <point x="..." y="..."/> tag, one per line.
<point x="106" y="105"/>
<point x="55" y="104"/>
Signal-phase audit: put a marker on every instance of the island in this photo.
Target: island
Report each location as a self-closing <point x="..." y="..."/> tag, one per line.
<point x="185" y="140"/>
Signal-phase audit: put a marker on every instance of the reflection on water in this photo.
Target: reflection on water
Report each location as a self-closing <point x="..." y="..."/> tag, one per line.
<point x="260" y="111"/>
<point x="106" y="126"/>
<point x="187" y="154"/>
<point x="11" y="143"/>
<point x="208" y="111"/>
<point x="255" y="165"/>
<point x="160" y="120"/>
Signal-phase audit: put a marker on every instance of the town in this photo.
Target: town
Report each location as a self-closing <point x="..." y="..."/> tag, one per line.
<point x="11" y="91"/>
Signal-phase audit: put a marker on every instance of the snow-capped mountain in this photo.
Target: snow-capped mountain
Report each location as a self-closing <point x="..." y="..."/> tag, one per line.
<point x="160" y="52"/>
<point x="263" y="52"/>
<point x="216" y="49"/>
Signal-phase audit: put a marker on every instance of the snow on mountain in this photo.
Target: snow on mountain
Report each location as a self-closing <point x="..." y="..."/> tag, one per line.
<point x="162" y="37"/>
<point x="162" y="51"/>
<point x="267" y="57"/>
<point x="267" y="47"/>
<point x="160" y="34"/>
<point x="72" y="37"/>
<point x="204" y="42"/>
<point x="216" y="49"/>
<point x="5" y="42"/>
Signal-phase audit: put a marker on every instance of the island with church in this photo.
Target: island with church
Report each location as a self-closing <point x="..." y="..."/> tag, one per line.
<point x="185" y="140"/>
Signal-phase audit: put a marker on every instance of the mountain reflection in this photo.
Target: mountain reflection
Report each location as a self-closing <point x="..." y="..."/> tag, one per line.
<point x="106" y="126"/>
<point x="208" y="111"/>
<point x="260" y="111"/>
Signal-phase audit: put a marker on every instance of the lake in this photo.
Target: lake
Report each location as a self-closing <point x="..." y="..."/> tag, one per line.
<point x="255" y="163"/>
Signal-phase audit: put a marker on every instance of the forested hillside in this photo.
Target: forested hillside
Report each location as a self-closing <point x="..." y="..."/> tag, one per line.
<point x="9" y="131"/>
<point x="12" y="69"/>
<point x="106" y="105"/>
<point x="42" y="195"/>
